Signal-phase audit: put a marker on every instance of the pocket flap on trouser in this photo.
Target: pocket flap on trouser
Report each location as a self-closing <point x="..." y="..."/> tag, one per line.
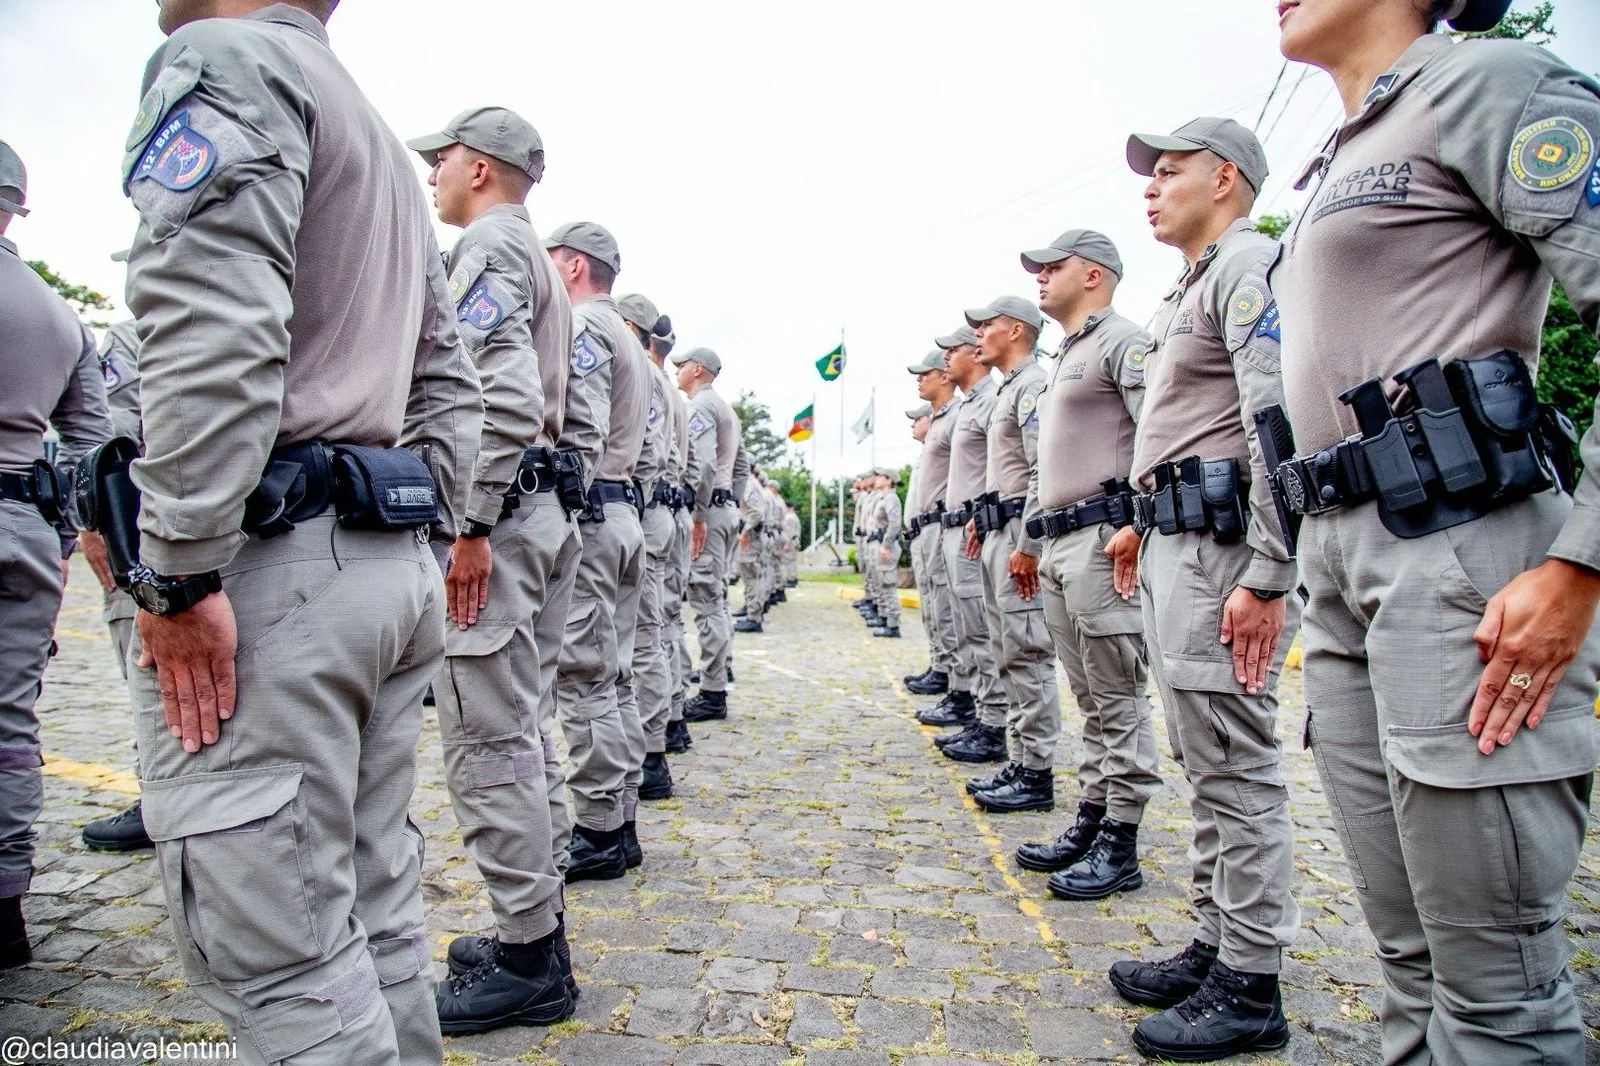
<point x="1201" y="675"/>
<point x="209" y="803"/>
<point x="480" y="638"/>
<point x="1112" y="621"/>
<point x="1447" y="756"/>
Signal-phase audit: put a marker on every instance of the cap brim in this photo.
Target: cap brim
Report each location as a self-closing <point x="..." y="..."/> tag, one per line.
<point x="10" y="206"/>
<point x="121" y="256"/>
<point x="1035" y="261"/>
<point x="979" y="316"/>
<point x="948" y="341"/>
<point x="430" y="146"/>
<point x="1145" y="148"/>
<point x="917" y="369"/>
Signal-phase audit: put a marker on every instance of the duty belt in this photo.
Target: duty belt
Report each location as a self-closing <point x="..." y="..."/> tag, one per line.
<point x="991" y="513"/>
<point x="663" y="493"/>
<point x="40" y="486"/>
<point x="1114" y="506"/>
<point x="1194" y="496"/>
<point x="604" y="492"/>
<point x="955" y="519"/>
<point x="367" y="487"/>
<point x="722" y="497"/>
<point x="686" y="497"/>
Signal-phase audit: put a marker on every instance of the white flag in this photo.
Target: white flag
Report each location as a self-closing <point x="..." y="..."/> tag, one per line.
<point x="863" y="425"/>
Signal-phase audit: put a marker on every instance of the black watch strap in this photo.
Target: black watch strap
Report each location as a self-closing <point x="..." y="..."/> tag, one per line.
<point x="1267" y="595"/>
<point x="474" y="529"/>
<point x="167" y="596"/>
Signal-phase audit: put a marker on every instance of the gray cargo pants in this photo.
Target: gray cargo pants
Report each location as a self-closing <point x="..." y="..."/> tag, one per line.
<point x="959" y="661"/>
<point x="30" y="597"/>
<point x="549" y="636"/>
<point x="1461" y="860"/>
<point x="652" y="658"/>
<point x="488" y="704"/>
<point x="594" y="679"/>
<point x="1099" y="638"/>
<point x="1027" y="660"/>
<point x="752" y="575"/>
<point x="291" y="868"/>
<point x="888" y="578"/>
<point x="971" y="617"/>
<point x="1226" y="742"/>
<point x="675" y="582"/>
<point x="926" y="561"/>
<point x="708" y="598"/>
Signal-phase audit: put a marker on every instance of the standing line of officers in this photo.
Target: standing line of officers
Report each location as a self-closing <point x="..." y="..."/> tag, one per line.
<point x="1342" y="424"/>
<point x="1336" y="433"/>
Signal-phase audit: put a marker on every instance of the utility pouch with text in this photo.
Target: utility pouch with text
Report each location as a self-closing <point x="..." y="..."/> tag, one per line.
<point x="382" y="488"/>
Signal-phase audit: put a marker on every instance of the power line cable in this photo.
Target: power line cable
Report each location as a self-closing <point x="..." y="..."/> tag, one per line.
<point x="1281" y="71"/>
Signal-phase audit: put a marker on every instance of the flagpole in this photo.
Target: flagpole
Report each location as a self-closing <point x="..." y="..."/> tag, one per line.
<point x="813" y="541"/>
<point x="838" y="533"/>
<point x="872" y="405"/>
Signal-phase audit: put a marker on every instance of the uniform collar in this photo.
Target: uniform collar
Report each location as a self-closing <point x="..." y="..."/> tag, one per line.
<point x="1088" y="327"/>
<point x="1019" y="368"/>
<point x="984" y="384"/>
<point x="1207" y="257"/>
<point x="6" y="245"/>
<point x="515" y="210"/>
<point x="288" y="15"/>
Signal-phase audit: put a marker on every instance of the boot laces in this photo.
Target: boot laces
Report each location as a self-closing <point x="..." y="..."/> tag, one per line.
<point x="1190" y="957"/>
<point x="1211" y="997"/>
<point x="481" y="972"/>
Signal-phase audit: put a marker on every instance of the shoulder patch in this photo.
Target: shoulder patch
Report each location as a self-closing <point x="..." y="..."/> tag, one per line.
<point x="480" y="309"/>
<point x="655" y="414"/>
<point x="113" y="376"/>
<point x="1593" y="192"/>
<point x="151" y="108"/>
<point x="698" y="424"/>
<point x="1271" y="324"/>
<point x="1246" y="306"/>
<point x="1028" y="408"/>
<point x="459" y="281"/>
<point x="1137" y="355"/>
<point x="179" y="156"/>
<point x="585" y="354"/>
<point x="1550" y="154"/>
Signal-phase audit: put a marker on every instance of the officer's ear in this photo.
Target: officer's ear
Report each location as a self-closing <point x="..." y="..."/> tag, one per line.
<point x="1093" y="277"/>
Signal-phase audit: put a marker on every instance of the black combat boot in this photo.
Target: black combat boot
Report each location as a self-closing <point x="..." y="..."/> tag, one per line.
<point x="1067" y="848"/>
<point x="983" y="744"/>
<point x="955" y="709"/>
<point x="595" y="855"/>
<point x="792" y="583"/>
<point x="678" y="739"/>
<point x="740" y="613"/>
<point x="14" y="947"/>
<point x="932" y="683"/>
<point x="1028" y="790"/>
<point x="1111" y="865"/>
<point x="706" y="707"/>
<point x="632" y="853"/>
<point x="657" y="781"/>
<point x="1165" y="983"/>
<point x="694" y="677"/>
<point x="1230" y="1013"/>
<point x="470" y="952"/>
<point x="564" y="957"/>
<point x="517" y="984"/>
<point x="872" y="618"/>
<point x="909" y="678"/>
<point x="119" y="832"/>
<point x="780" y="596"/>
<point x="994" y="780"/>
<point x="862" y="602"/>
<point x="747" y="626"/>
<point x="893" y="632"/>
<point x="960" y="736"/>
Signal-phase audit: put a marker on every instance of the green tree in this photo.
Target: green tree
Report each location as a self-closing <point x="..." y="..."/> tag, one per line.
<point x="1274" y="226"/>
<point x="1536" y="26"/>
<point x="764" y="447"/>
<point x="81" y="298"/>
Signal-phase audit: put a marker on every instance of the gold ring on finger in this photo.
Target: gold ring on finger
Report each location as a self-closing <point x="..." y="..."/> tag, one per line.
<point x="1520" y="680"/>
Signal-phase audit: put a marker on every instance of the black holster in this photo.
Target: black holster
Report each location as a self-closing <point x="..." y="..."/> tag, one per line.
<point x="108" y="503"/>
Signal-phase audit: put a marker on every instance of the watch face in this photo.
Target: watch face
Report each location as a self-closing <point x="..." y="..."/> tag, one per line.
<point x="147" y="597"/>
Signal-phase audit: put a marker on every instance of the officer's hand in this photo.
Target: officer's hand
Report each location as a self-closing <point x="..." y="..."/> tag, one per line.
<point x="744" y="542"/>
<point x="193" y="656"/>
<point x="1252" y="627"/>
<point x="883" y="555"/>
<point x="1025" y="574"/>
<point x="974" y="548"/>
<point x="697" y="539"/>
<point x="466" y="583"/>
<point x="1532" y="628"/>
<point x="94" y="550"/>
<point x="1123" y="547"/>
<point x="66" y="571"/>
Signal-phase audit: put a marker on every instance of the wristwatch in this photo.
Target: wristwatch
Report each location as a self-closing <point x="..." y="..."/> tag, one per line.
<point x="1267" y="595"/>
<point x="474" y="529"/>
<point x="166" y="596"/>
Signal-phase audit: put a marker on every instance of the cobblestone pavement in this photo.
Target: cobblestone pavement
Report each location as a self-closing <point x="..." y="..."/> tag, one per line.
<point x="819" y="892"/>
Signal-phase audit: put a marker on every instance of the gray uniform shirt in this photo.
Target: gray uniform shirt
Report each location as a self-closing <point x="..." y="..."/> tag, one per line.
<point x="49" y="371"/>
<point x="551" y="311"/>
<point x="657" y="459"/>
<point x="285" y="278"/>
<point x="1090" y="405"/>
<point x="119" y="365"/>
<point x="1442" y="209"/>
<point x="713" y="443"/>
<point x="680" y="428"/>
<point x="490" y="268"/>
<point x="1215" y="362"/>
<point x="969" y="444"/>
<point x="1013" y="459"/>
<point x="886" y="516"/>
<point x="934" y="469"/>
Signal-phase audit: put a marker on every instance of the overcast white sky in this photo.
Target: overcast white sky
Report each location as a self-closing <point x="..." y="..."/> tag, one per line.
<point x="773" y="173"/>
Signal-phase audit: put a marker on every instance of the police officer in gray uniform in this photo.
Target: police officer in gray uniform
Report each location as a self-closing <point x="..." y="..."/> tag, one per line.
<point x="883" y="551"/>
<point x="676" y="578"/>
<point x="1087" y="418"/>
<point x="1216" y="580"/>
<point x="49" y="376"/>
<point x="749" y="553"/>
<point x="1464" y="177"/>
<point x="484" y="163"/>
<point x="278" y="797"/>
<point x="594" y="690"/>
<point x="713" y="448"/>
<point x="951" y="669"/>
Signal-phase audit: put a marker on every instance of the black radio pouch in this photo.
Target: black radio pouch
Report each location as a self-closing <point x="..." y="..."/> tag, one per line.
<point x="569" y="481"/>
<point x="1219" y="486"/>
<point x="382" y="488"/>
<point x="1496" y="396"/>
<point x="108" y="503"/>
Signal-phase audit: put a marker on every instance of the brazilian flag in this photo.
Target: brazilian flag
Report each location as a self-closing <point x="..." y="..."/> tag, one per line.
<point x="831" y="365"/>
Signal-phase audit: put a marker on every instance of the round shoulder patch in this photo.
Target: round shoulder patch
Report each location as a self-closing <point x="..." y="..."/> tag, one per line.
<point x="1246" y="306"/>
<point x="1026" y="405"/>
<point x="1137" y="354"/>
<point x="144" y="123"/>
<point x="1551" y="154"/>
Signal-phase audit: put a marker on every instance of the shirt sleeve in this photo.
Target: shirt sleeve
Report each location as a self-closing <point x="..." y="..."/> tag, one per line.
<point x="588" y="417"/>
<point x="702" y="470"/>
<point x="209" y="280"/>
<point x="1125" y="364"/>
<point x="1520" y="100"/>
<point x="1028" y="427"/>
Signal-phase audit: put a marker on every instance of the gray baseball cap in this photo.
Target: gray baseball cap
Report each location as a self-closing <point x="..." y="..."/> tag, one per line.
<point x="13" y="176"/>
<point x="494" y="131"/>
<point x="590" y="238"/>
<point x="639" y="310"/>
<point x="1223" y="136"/>
<point x="1025" y="311"/>
<point x="922" y="410"/>
<point x="121" y="255"/>
<point x="704" y="356"/>
<point x="934" y="360"/>
<point x="962" y="335"/>
<point x="891" y="474"/>
<point x="1084" y="243"/>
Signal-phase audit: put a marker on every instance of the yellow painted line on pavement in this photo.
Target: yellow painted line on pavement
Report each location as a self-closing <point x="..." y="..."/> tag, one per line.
<point x="92" y="775"/>
<point x="77" y="634"/>
<point x="909" y="598"/>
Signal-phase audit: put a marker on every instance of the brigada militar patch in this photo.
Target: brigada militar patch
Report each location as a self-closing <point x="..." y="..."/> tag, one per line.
<point x="1551" y="154"/>
<point x="1246" y="306"/>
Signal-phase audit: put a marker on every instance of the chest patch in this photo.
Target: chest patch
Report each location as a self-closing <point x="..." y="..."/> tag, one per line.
<point x="1378" y="183"/>
<point x="179" y="156"/>
<point x="1551" y="154"/>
